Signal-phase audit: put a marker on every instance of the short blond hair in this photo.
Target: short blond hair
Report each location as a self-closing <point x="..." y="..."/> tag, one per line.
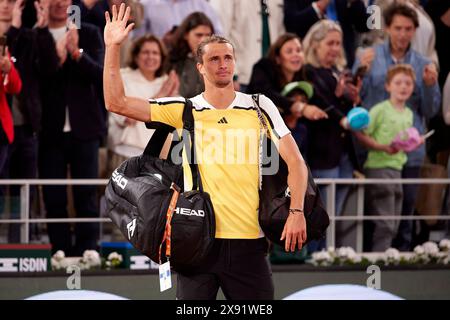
<point x="211" y="39"/>
<point x="316" y="34"/>
<point x="400" y="68"/>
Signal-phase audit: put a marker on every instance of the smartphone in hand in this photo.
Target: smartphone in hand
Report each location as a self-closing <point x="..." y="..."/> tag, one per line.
<point x="347" y="75"/>
<point x="359" y="74"/>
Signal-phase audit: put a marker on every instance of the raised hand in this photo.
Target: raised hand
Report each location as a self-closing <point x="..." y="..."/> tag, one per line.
<point x="175" y="84"/>
<point x="353" y="92"/>
<point x="61" y="49"/>
<point x="347" y="88"/>
<point x="72" y="40"/>
<point x="5" y="63"/>
<point x="430" y="75"/>
<point x="170" y="86"/>
<point x="42" y="10"/>
<point x="116" y="29"/>
<point x="340" y="87"/>
<point x="17" y="13"/>
<point x="367" y="57"/>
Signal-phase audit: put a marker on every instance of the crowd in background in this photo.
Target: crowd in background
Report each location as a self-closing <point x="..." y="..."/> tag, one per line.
<point x="316" y="60"/>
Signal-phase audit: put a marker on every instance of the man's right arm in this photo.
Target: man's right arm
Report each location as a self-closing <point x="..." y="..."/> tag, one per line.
<point x="115" y="99"/>
<point x="116" y="31"/>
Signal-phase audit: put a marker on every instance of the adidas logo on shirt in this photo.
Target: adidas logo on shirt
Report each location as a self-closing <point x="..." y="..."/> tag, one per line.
<point x="223" y="120"/>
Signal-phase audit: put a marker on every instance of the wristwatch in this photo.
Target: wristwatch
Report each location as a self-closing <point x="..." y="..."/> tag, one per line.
<point x="296" y="211"/>
<point x="76" y="55"/>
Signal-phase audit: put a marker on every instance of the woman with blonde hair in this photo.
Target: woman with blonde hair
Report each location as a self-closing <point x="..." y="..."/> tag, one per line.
<point x="331" y="151"/>
<point x="315" y="35"/>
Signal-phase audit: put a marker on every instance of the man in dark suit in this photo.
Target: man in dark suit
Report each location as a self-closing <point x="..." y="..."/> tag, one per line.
<point x="73" y="123"/>
<point x="300" y="15"/>
<point x="35" y="56"/>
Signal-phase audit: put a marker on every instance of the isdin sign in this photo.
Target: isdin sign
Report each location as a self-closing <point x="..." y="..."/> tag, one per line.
<point x="25" y="257"/>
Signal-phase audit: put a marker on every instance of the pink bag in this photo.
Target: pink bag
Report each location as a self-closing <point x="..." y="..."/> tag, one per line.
<point x="407" y="140"/>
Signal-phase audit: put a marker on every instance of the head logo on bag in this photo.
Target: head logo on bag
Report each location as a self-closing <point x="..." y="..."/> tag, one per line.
<point x="189" y="212"/>
<point x="131" y="227"/>
<point x="119" y="179"/>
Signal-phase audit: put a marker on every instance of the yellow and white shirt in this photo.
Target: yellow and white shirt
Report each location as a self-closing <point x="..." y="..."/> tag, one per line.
<point x="227" y="143"/>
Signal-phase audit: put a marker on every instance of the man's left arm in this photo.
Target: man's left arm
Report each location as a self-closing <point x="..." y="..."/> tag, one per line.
<point x="295" y="228"/>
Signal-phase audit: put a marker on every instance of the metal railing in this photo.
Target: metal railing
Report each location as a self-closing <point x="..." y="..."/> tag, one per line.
<point x="360" y="216"/>
<point x="25" y="219"/>
<point x="330" y="184"/>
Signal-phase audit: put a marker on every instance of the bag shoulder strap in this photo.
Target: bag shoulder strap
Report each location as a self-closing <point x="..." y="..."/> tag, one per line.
<point x="264" y="132"/>
<point x="262" y="120"/>
<point x="189" y="126"/>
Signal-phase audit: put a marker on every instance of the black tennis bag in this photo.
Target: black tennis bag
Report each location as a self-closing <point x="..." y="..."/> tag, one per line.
<point x="274" y="195"/>
<point x="138" y="197"/>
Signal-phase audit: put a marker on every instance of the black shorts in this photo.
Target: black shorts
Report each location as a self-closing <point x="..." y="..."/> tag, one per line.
<point x="238" y="266"/>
